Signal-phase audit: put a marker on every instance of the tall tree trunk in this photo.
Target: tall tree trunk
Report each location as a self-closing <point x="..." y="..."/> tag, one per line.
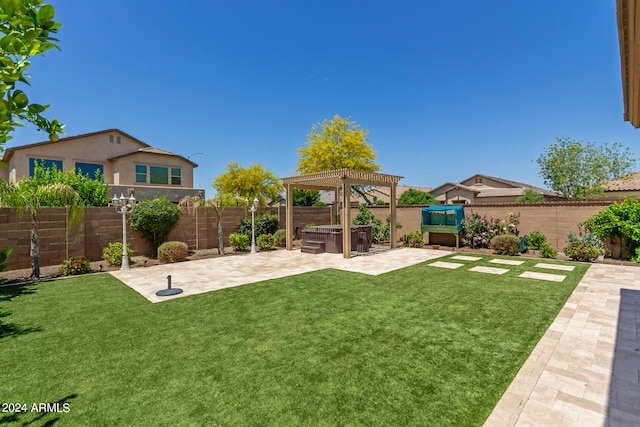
<point x="35" y="249"/>
<point x="220" y="237"/>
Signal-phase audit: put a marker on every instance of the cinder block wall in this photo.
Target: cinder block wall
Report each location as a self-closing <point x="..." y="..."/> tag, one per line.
<point x="553" y="219"/>
<point x="100" y="226"/>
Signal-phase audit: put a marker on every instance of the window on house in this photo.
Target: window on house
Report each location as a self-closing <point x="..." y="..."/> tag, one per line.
<point x="141" y="174"/>
<point x="90" y="169"/>
<point x="176" y="176"/>
<point x="44" y="162"/>
<point x="158" y="175"/>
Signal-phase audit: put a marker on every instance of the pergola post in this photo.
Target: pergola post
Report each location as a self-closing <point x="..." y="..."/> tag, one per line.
<point x="346" y="217"/>
<point x="392" y="206"/>
<point x="289" y="216"/>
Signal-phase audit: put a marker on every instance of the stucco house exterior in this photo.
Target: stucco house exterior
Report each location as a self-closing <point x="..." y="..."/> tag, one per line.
<point x="128" y="164"/>
<point x="485" y="189"/>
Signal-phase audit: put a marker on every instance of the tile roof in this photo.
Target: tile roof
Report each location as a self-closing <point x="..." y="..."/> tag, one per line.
<point x="8" y="153"/>
<point x="630" y="183"/>
<point x="152" y="150"/>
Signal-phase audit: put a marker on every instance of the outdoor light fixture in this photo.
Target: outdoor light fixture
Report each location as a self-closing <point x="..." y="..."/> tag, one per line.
<point x="124" y="206"/>
<point x="254" y="208"/>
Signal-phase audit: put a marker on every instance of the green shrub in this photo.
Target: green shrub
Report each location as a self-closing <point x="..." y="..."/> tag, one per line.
<point x="477" y="231"/>
<point x="113" y="253"/>
<point x="266" y="223"/>
<point x="170" y="252"/>
<point x="582" y="251"/>
<point x="414" y="239"/>
<point x="154" y="219"/>
<point x="536" y="240"/>
<point x="505" y="244"/>
<point x="584" y="246"/>
<point x="619" y="220"/>
<point x="265" y="242"/>
<point x="239" y="241"/>
<point x="379" y="233"/>
<point x="280" y="238"/>
<point x="73" y="266"/>
<point x="547" y="251"/>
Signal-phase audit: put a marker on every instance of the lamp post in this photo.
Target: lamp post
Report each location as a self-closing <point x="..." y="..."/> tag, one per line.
<point x="124" y="206"/>
<point x="254" y="208"/>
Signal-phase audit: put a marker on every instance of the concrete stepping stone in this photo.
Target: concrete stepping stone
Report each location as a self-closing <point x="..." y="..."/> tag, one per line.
<point x="543" y="276"/>
<point x="466" y="258"/>
<point x="444" y="264"/>
<point x="555" y="266"/>
<point x="490" y="270"/>
<point x="506" y="261"/>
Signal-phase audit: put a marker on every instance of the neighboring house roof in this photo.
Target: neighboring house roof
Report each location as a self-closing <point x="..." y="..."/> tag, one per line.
<point x="402" y="188"/>
<point x="399" y="189"/>
<point x="485" y="190"/>
<point x="8" y="153"/>
<point x="454" y="185"/>
<point x="146" y="148"/>
<point x="501" y="192"/>
<point x="630" y="183"/>
<point x="513" y="184"/>
<point x="153" y="150"/>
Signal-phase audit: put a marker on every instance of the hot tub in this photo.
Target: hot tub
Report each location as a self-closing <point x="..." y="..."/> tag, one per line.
<point x="331" y="236"/>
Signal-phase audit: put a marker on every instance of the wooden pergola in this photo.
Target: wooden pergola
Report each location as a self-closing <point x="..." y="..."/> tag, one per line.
<point x="340" y="179"/>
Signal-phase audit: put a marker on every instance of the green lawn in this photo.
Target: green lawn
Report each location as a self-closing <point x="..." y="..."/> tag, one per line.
<point x="418" y="346"/>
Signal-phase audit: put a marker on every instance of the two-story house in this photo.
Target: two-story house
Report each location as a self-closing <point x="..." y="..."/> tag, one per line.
<point x="126" y="163"/>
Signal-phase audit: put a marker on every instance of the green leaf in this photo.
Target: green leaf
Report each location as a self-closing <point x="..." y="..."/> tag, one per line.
<point x="45" y="13"/>
<point x="20" y="99"/>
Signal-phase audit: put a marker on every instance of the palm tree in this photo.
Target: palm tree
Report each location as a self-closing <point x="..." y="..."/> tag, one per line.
<point x="190" y="203"/>
<point x="27" y="198"/>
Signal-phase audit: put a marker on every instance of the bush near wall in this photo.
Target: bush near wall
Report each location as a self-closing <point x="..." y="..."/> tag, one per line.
<point x="170" y="252"/>
<point x="506" y="244"/>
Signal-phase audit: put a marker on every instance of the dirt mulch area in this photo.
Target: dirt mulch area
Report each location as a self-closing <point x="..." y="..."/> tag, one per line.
<point x="531" y="254"/>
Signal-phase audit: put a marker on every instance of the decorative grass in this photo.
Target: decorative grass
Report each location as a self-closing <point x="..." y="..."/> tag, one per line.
<point x="418" y="346"/>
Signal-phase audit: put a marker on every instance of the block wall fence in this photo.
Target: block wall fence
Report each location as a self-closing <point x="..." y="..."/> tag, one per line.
<point x="553" y="219"/>
<point x="100" y="226"/>
<point x="198" y="228"/>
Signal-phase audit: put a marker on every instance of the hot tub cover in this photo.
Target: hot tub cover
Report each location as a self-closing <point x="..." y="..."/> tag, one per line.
<point x="451" y="215"/>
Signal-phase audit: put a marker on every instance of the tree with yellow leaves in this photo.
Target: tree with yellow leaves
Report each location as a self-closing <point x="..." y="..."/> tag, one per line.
<point x="249" y="183"/>
<point x="337" y="144"/>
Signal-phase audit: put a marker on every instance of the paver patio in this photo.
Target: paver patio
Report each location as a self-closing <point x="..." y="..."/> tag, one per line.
<point x="195" y="277"/>
<point x="585" y="371"/>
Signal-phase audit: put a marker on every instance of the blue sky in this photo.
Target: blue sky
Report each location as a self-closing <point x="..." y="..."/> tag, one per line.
<point x="446" y="89"/>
